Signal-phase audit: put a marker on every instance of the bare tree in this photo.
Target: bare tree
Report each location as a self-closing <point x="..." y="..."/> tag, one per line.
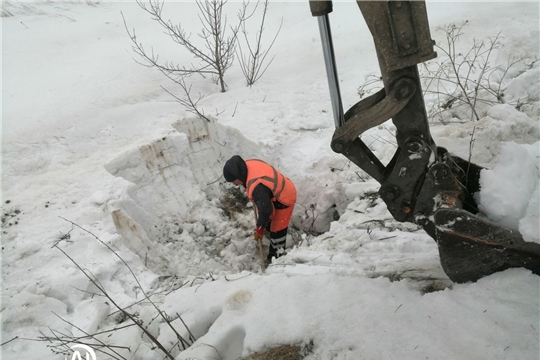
<point x="462" y="81"/>
<point x="459" y="84"/>
<point x="253" y="60"/>
<point x="216" y="54"/>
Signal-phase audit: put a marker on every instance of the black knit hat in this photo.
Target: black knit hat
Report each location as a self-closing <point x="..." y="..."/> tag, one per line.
<point x="229" y="177"/>
<point x="235" y="169"/>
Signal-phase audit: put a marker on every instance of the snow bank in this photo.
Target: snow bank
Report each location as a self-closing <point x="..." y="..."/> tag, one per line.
<point x="509" y="191"/>
<point x="347" y="314"/>
<point x="502" y="123"/>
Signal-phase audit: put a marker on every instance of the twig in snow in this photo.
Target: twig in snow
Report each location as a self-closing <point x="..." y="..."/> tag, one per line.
<point x="191" y="337"/>
<point x="386" y="238"/>
<point x="98" y="347"/>
<point x="130" y="316"/>
<point x="15" y="338"/>
<point x="88" y="292"/>
<point x="62" y="237"/>
<point x="241" y="278"/>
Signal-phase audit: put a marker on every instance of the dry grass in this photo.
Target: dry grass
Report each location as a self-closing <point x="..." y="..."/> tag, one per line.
<point x="233" y="201"/>
<point x="285" y="352"/>
<point x="421" y="280"/>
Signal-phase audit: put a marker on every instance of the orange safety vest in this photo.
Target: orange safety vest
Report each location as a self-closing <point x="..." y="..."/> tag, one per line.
<point x="260" y="172"/>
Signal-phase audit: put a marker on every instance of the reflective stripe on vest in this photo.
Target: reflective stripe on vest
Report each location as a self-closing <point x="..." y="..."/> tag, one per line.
<point x="260" y="172"/>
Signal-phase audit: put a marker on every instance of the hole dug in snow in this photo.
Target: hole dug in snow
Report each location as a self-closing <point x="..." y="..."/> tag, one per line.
<point x="173" y="214"/>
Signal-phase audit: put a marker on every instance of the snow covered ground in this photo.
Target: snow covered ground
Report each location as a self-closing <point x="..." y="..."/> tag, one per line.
<point x="95" y="152"/>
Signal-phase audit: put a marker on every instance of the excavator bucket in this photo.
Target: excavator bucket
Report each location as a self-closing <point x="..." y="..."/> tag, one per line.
<point x="423" y="183"/>
<point x="471" y="247"/>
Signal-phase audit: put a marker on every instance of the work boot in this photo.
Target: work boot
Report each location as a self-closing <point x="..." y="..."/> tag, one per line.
<point x="276" y="249"/>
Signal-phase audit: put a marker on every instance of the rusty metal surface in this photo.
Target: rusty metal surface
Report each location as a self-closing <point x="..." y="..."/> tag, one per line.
<point x="401" y="31"/>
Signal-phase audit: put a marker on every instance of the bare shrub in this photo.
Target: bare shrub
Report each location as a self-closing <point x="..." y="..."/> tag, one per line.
<point x="463" y="83"/>
<point x="460" y="84"/>
<point x="372" y="84"/>
<point x="216" y="54"/>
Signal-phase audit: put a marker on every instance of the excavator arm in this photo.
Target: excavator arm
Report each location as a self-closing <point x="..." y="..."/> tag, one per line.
<point x="423" y="183"/>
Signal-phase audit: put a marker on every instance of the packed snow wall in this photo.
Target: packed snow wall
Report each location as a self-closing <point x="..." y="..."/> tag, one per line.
<point x="171" y="212"/>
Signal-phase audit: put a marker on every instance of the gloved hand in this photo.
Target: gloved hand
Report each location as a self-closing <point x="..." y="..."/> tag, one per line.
<point x="258" y="234"/>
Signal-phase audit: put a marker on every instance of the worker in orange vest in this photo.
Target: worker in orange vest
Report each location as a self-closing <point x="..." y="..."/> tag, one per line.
<point x="273" y="195"/>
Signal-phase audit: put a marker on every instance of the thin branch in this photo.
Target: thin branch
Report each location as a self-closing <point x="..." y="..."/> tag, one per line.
<point x="96" y="283"/>
<point x="191" y="337"/>
<point x="252" y="63"/>
<point x="7" y="342"/>
<point x="471" y="146"/>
